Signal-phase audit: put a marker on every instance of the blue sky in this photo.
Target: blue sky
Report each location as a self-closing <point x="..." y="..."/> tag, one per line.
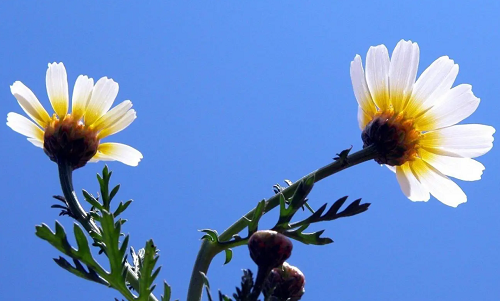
<point x="232" y="98"/>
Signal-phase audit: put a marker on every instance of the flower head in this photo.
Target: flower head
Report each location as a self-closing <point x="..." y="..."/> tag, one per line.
<point x="413" y="124"/>
<point x="74" y="138"/>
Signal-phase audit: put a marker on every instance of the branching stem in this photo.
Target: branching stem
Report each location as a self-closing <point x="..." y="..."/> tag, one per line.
<point x="66" y="179"/>
<point x="208" y="249"/>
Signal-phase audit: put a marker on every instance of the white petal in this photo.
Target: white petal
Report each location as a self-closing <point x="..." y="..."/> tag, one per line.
<point x="363" y="118"/>
<point x="360" y="87"/>
<point x="391" y="168"/>
<point x="121" y="152"/>
<point x="30" y="104"/>
<point x="102" y="99"/>
<point x="439" y="185"/>
<point x="463" y="140"/>
<point x="436" y="80"/>
<point x="81" y="95"/>
<point x="377" y="75"/>
<point x="456" y="105"/>
<point x="57" y="88"/>
<point x="24" y="126"/>
<point x="100" y="157"/>
<point x="402" y="72"/>
<point x="118" y="126"/>
<point x="36" y="142"/>
<point x="113" y="115"/>
<point x="411" y="187"/>
<point x="465" y="169"/>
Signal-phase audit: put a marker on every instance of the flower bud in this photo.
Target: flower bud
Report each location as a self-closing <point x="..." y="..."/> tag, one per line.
<point x="269" y="249"/>
<point x="285" y="283"/>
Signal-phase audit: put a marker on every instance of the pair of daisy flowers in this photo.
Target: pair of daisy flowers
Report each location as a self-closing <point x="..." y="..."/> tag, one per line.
<point x="427" y="109"/>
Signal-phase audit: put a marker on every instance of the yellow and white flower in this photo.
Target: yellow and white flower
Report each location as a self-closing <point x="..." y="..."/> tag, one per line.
<point x="75" y="137"/>
<point x="414" y="123"/>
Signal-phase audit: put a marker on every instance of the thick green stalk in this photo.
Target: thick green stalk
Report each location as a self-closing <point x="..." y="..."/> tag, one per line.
<point x="208" y="250"/>
<point x="66" y="179"/>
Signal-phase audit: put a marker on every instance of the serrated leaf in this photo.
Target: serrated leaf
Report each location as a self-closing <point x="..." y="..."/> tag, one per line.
<point x="113" y="192"/>
<point x="79" y="270"/>
<point x="123" y="247"/>
<point x="205" y="280"/>
<point x="223" y="297"/>
<point x="254" y="223"/>
<point x="147" y="276"/>
<point x="122" y="207"/>
<point x="81" y="240"/>
<point x="335" y="207"/>
<point x="297" y="201"/>
<point x="229" y="256"/>
<point x="91" y="200"/>
<point x="213" y="235"/>
<point x="308" y="238"/>
<point x="167" y="292"/>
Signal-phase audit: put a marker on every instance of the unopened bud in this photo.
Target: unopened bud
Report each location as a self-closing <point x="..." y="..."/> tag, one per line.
<point x="269" y="249"/>
<point x="285" y="283"/>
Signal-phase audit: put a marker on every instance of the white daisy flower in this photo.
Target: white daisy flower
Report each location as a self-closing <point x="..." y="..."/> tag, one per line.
<point x="413" y="123"/>
<point x="74" y="138"/>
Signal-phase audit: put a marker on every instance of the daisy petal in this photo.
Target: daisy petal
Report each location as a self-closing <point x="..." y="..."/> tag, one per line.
<point x="363" y="118"/>
<point x="360" y="87"/>
<point x="121" y="152"/>
<point x="436" y="80"/>
<point x="391" y="168"/>
<point x="100" y="157"/>
<point x="118" y="126"/>
<point x="411" y="187"/>
<point x="102" y="99"/>
<point x="402" y="72"/>
<point x="439" y="185"/>
<point x="377" y="75"/>
<point x="456" y="105"/>
<point x="465" y="169"/>
<point x="24" y="126"/>
<point x="57" y="88"/>
<point x="81" y="96"/>
<point x="30" y="104"/>
<point x="463" y="140"/>
<point x="36" y="142"/>
<point x="113" y="115"/>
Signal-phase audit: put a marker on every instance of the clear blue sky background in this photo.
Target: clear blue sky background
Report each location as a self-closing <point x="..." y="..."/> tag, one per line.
<point x="232" y="98"/>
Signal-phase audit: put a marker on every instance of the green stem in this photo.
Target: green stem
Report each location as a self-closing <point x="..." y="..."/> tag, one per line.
<point x="66" y="179"/>
<point x="208" y="250"/>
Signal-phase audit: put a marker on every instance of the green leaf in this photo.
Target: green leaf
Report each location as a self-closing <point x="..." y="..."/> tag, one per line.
<point x="223" y="297"/>
<point x="91" y="200"/>
<point x="308" y="238"/>
<point x="335" y="207"/>
<point x="147" y="275"/>
<point x="297" y="201"/>
<point x="114" y="192"/>
<point x="229" y="256"/>
<point x="167" y="292"/>
<point x="122" y="207"/>
<point x="81" y="240"/>
<point x="254" y="223"/>
<point x="205" y="280"/>
<point x="79" y="270"/>
<point x="212" y="235"/>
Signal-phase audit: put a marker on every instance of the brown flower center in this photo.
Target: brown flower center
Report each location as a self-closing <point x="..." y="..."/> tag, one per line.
<point x="69" y="141"/>
<point x="394" y="137"/>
